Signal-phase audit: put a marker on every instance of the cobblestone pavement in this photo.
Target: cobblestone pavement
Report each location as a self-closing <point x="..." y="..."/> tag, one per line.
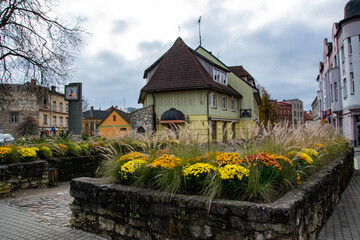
<point x="39" y="214"/>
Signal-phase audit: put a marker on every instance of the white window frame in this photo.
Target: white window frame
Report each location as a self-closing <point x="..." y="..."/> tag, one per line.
<point x="67" y="107"/>
<point x="350" y="46"/>
<point x="213" y="100"/>
<point x="344" y="88"/>
<point x="45" y="122"/>
<point x="54" y="106"/>
<point x="233" y="105"/>
<point x="219" y="76"/>
<point x="223" y="103"/>
<point x="335" y="91"/>
<point x="54" y="120"/>
<point x="61" y="107"/>
<point x="67" y="121"/>
<point x="61" y="121"/>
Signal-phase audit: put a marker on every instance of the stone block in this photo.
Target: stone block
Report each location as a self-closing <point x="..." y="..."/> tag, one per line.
<point x="106" y="224"/>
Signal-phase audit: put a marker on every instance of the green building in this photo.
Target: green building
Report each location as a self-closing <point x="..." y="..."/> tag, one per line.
<point x="194" y="87"/>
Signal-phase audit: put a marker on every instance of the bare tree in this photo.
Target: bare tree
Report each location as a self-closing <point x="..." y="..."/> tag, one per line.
<point x="28" y="127"/>
<point x="35" y="45"/>
<point x="85" y="104"/>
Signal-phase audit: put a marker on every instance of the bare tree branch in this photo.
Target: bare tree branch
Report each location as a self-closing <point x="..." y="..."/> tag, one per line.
<point x="34" y="45"/>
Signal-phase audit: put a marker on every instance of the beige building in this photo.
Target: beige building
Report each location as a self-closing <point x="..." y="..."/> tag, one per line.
<point x="297" y="111"/>
<point x="46" y="105"/>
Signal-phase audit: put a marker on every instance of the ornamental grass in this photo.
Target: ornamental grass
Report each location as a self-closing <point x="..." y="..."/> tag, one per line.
<point x="261" y="165"/>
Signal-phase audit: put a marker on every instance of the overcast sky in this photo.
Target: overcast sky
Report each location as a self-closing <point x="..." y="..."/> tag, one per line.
<point x="279" y="42"/>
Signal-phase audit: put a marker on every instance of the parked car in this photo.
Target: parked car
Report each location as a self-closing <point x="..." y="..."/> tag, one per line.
<point x="6" y="139"/>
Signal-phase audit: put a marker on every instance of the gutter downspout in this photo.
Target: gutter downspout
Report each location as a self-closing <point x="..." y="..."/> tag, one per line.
<point x="207" y="114"/>
<point x="154" y="113"/>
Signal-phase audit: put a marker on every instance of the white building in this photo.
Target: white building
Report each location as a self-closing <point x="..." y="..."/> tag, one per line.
<point x="339" y="75"/>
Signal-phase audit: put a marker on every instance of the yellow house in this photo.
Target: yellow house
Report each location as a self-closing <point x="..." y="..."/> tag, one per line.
<point x="194" y="87"/>
<point x="115" y="124"/>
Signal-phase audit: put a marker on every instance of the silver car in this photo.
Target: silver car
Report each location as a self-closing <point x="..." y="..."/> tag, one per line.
<point x="6" y="139"/>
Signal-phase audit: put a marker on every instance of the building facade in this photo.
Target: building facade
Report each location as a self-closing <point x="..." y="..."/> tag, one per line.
<point x="115" y="124"/>
<point x="194" y="87"/>
<point x="284" y="112"/>
<point x="339" y="75"/>
<point x="46" y="105"/>
<point x="91" y="119"/>
<point x="297" y="111"/>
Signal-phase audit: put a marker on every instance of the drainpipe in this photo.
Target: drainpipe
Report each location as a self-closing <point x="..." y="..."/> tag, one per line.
<point x="154" y="114"/>
<point x="207" y="114"/>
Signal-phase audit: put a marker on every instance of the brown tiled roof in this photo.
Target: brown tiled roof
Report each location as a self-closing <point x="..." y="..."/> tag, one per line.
<point x="179" y="69"/>
<point x="241" y="72"/>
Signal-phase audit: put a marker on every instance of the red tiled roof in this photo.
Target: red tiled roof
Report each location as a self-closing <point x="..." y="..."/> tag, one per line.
<point x="179" y="69"/>
<point x="241" y="72"/>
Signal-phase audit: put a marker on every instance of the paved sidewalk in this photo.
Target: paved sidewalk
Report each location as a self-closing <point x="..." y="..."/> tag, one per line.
<point x="344" y="224"/>
<point x="39" y="214"/>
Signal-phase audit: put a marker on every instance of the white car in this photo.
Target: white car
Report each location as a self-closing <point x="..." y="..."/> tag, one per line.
<point x="6" y="138"/>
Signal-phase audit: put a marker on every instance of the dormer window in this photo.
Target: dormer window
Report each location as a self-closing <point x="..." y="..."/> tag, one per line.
<point x="219" y="76"/>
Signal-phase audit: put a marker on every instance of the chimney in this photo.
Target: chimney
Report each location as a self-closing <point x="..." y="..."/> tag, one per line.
<point x="53" y="88"/>
<point x="33" y="81"/>
<point x="116" y="107"/>
<point x="92" y="108"/>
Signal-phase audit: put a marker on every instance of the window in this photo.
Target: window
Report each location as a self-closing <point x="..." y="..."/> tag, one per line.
<point x="61" y="106"/>
<point x="14" y="117"/>
<point x="342" y="54"/>
<point x="331" y="93"/>
<point x="233" y="105"/>
<point x="344" y="88"/>
<point x="213" y="100"/>
<point x="54" y="120"/>
<point x="294" y="113"/>
<point x="67" y="121"/>
<point x="114" y="118"/>
<point x="86" y="126"/>
<point x="223" y="103"/>
<point x="352" y="83"/>
<point x="45" y="119"/>
<point x="54" y="105"/>
<point x="219" y="76"/>
<point x="335" y="91"/>
<point x="122" y="129"/>
<point x="67" y="107"/>
<point x="350" y="46"/>
<point x="216" y="75"/>
<point x="223" y="78"/>
<point x="61" y="121"/>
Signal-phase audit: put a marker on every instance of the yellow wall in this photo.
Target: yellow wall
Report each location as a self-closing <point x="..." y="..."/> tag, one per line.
<point x="112" y="129"/>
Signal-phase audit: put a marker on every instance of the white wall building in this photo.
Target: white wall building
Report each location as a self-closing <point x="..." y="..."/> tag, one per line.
<point x="339" y="75"/>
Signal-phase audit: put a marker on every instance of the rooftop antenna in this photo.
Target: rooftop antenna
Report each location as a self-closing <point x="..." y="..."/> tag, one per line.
<point x="199" y="21"/>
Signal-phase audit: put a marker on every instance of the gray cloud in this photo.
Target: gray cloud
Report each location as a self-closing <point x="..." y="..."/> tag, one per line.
<point x="120" y="26"/>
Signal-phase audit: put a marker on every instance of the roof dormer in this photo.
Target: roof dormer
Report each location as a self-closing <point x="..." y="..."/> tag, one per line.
<point x="220" y="76"/>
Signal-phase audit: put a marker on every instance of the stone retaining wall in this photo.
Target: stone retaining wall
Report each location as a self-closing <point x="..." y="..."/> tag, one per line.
<point x="74" y="167"/>
<point x="123" y="212"/>
<point x="23" y="175"/>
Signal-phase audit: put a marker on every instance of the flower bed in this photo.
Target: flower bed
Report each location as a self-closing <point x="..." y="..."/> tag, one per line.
<point x="127" y="212"/>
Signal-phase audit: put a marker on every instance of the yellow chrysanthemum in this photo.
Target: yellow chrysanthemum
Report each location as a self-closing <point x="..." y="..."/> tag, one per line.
<point x="130" y="167"/>
<point x="233" y="171"/>
<point x="198" y="169"/>
<point x="166" y="161"/>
